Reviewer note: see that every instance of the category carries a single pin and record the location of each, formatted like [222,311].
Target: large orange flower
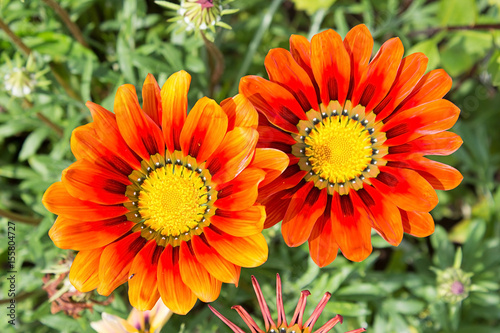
[161,200]
[356,132]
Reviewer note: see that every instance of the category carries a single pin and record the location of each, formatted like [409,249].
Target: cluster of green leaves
[395,289]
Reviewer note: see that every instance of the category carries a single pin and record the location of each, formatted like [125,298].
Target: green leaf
[494,68]
[404,306]
[430,49]
[458,12]
[464,49]
[33,142]
[444,252]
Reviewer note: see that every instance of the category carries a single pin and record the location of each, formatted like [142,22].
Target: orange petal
[288,179]
[300,48]
[196,277]
[425,119]
[441,176]
[358,43]
[443,143]
[284,70]
[241,192]
[87,181]
[216,265]
[174,293]
[432,86]
[306,206]
[58,201]
[241,223]
[249,251]
[86,235]
[137,129]
[383,214]
[379,75]
[84,272]
[418,224]
[240,112]
[143,292]
[405,188]
[151,99]
[204,129]
[174,104]
[234,154]
[322,245]
[410,71]
[331,66]
[271,137]
[278,105]
[116,261]
[272,161]
[86,144]
[276,207]
[351,228]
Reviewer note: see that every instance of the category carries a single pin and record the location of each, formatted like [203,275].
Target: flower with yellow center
[356,132]
[163,200]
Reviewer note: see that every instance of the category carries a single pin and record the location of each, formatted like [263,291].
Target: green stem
[20,218]
[216,60]
[73,28]
[317,19]
[254,44]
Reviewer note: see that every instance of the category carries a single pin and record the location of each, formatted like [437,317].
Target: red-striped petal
[204,130]
[379,75]
[214,263]
[84,272]
[351,228]
[241,192]
[143,292]
[240,223]
[425,119]
[359,44]
[249,251]
[137,129]
[331,66]
[306,206]
[282,69]
[87,181]
[86,235]
[174,104]
[116,261]
[196,277]
[58,201]
[418,224]
[406,188]
[278,105]
[173,291]
[151,99]
[322,245]
[233,156]
[240,112]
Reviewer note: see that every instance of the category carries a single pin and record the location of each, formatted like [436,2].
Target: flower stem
[264,26]
[73,28]
[20,218]
[216,60]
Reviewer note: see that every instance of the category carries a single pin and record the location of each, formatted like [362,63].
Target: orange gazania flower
[356,132]
[296,325]
[162,200]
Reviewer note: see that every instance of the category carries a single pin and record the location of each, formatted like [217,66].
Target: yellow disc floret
[172,200]
[339,149]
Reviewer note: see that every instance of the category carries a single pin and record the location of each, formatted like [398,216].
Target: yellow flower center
[339,149]
[172,200]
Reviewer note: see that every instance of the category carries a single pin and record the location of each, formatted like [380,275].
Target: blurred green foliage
[395,289]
